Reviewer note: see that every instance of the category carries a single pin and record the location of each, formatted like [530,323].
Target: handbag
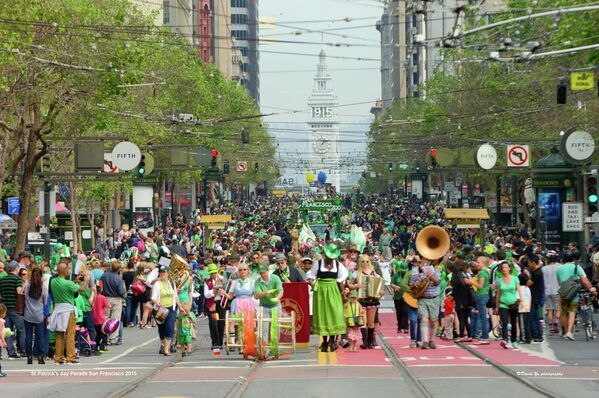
[161,314]
[138,288]
[20,304]
[570,288]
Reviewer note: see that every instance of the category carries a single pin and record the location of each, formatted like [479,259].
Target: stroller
[83,343]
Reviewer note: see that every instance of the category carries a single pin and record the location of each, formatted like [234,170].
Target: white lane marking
[129,351]
[45,370]
[195,381]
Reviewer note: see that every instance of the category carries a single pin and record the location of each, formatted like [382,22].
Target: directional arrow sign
[518,156]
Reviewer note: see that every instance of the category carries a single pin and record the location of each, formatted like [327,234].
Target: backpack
[570,287]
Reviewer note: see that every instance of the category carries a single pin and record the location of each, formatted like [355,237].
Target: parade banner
[321,204]
[296,297]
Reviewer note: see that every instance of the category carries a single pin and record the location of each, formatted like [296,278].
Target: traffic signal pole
[47,188]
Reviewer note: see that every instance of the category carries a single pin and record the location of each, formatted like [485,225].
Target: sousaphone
[177,271]
[432,242]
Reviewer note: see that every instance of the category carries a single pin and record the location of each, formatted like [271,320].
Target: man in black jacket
[284,272]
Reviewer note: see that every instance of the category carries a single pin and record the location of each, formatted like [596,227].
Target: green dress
[184,295]
[327,312]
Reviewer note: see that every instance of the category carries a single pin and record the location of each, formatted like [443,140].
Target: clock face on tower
[321,145]
[322,112]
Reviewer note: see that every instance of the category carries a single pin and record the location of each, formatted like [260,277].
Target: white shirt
[341,275]
[550,279]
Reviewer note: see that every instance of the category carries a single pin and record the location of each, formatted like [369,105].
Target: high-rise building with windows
[244,30]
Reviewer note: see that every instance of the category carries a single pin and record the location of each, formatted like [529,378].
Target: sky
[286,80]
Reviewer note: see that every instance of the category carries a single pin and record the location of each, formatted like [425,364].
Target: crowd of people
[66,307]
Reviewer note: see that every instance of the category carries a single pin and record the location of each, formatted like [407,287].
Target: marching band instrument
[370,286]
[432,242]
[178,272]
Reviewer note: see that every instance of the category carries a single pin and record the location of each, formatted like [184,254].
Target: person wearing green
[482,298]
[58,254]
[62,320]
[401,308]
[564,272]
[326,277]
[269,290]
[3,272]
[3,254]
[506,303]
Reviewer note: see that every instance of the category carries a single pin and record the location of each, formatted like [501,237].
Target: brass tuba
[178,272]
[432,242]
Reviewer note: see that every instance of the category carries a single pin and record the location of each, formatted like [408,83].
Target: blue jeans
[414,324]
[535,322]
[88,322]
[167,329]
[129,311]
[15,321]
[482,321]
[37,347]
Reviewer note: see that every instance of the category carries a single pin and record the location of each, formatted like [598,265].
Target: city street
[135,369]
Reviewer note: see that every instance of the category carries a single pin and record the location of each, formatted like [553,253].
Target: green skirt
[327,309]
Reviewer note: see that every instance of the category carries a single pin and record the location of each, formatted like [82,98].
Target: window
[415,78]
[245,67]
[244,51]
[240,34]
[239,19]
[239,3]
[166,12]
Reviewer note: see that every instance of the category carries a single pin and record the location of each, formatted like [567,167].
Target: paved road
[136,370]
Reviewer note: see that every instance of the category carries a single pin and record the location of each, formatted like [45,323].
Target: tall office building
[176,13]
[408,55]
[244,29]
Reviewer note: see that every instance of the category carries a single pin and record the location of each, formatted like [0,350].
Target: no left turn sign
[242,166]
[518,156]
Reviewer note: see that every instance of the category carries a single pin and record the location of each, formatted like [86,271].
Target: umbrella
[6,217]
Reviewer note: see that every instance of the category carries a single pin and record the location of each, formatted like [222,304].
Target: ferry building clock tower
[324,126]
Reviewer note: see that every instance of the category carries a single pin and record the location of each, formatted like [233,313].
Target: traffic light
[592,195]
[245,136]
[390,167]
[562,92]
[214,154]
[226,167]
[46,163]
[256,167]
[141,167]
[434,158]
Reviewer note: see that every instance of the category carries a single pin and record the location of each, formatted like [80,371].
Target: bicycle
[585,311]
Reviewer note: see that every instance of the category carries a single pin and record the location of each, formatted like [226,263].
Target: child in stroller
[83,343]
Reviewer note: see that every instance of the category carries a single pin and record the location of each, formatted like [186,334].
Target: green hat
[263,267]
[353,293]
[212,269]
[332,251]
[58,246]
[39,259]
[403,266]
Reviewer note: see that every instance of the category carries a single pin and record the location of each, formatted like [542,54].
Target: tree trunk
[26,191]
[75,219]
[91,218]
[522,198]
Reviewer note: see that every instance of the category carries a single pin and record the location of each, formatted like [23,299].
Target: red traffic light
[433,152]
[214,153]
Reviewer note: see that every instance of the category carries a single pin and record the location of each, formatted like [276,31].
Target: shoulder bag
[570,287]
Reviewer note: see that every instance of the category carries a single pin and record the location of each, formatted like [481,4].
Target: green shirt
[274,282]
[405,282]
[80,304]
[63,291]
[566,271]
[3,255]
[485,289]
[396,280]
[86,295]
[508,292]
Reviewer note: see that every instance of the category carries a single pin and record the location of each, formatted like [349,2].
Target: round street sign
[126,155]
[486,156]
[577,146]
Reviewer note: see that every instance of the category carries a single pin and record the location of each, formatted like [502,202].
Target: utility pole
[47,188]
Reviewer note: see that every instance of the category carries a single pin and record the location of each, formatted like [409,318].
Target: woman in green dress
[327,276]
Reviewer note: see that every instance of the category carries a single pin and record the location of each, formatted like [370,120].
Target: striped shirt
[432,290]
[8,290]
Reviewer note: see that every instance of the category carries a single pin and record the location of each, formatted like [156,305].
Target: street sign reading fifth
[126,155]
[14,206]
[518,156]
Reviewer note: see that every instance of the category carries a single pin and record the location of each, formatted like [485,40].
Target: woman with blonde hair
[371,304]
